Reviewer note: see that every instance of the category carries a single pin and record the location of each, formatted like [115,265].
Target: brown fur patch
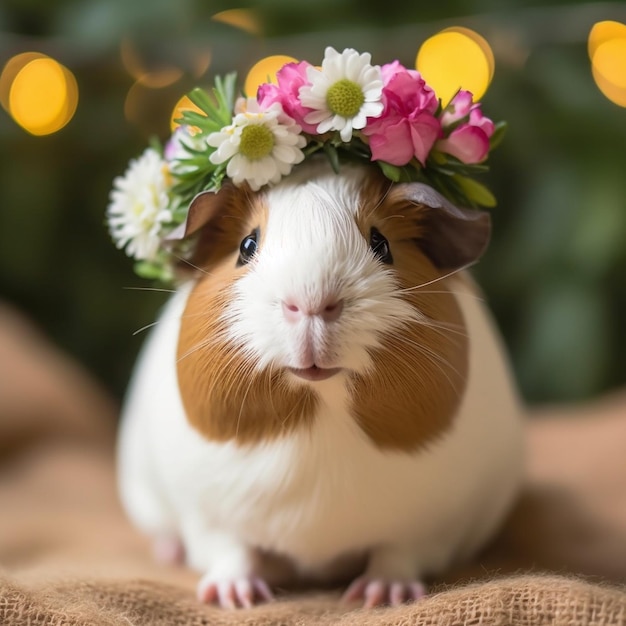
[224,397]
[419,376]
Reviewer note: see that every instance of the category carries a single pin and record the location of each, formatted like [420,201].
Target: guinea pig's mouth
[314,373]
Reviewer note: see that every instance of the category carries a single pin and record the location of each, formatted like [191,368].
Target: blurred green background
[554,275]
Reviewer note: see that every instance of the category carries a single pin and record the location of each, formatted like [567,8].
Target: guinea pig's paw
[377,591]
[168,549]
[244,592]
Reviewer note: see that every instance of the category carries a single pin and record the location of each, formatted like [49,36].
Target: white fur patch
[312,249]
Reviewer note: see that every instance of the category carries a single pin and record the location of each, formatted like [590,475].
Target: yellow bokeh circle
[184,104]
[157,77]
[11,70]
[603,32]
[480,41]
[607,51]
[454,59]
[609,70]
[264,71]
[43,96]
[243,19]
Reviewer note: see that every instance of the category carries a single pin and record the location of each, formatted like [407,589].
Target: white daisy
[261,146]
[344,93]
[139,206]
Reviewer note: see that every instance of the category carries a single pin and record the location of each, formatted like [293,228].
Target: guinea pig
[324,388]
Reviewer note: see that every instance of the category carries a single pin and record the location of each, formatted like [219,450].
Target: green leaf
[333,156]
[217,107]
[475,191]
[404,174]
[206,124]
[437,157]
[498,135]
[392,172]
[153,271]
[312,147]
[155,143]
[227,87]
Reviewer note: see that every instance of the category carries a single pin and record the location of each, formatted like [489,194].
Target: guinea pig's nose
[329,310]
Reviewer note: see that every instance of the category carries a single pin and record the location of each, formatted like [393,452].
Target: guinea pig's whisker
[146,327]
[441,328]
[243,372]
[372,209]
[270,395]
[443,365]
[158,289]
[288,416]
[443,277]
[211,339]
[448,335]
[199,346]
[167,319]
[190,264]
[434,356]
[443,291]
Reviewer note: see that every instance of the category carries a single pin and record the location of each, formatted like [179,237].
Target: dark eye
[380,246]
[248,247]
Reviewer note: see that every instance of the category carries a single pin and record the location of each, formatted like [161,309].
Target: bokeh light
[482,43]
[201,61]
[149,110]
[603,32]
[607,51]
[11,70]
[43,94]
[264,71]
[184,104]
[456,58]
[243,19]
[157,77]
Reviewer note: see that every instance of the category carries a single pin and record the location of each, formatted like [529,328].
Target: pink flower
[407,127]
[468,142]
[290,77]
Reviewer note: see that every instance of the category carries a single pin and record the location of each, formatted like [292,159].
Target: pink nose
[329,310]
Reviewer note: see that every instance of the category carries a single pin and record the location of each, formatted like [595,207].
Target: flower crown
[346,109]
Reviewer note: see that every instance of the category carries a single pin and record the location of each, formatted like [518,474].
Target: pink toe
[244,593]
[374,594]
[417,591]
[378,592]
[397,594]
[226,595]
[355,590]
[206,593]
[262,589]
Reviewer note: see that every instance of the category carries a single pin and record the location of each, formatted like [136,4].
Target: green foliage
[199,173]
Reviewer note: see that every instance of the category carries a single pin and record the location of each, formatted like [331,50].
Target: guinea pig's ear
[203,208]
[453,237]
[206,222]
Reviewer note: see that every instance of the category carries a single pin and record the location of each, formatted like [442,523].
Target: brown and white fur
[318,405]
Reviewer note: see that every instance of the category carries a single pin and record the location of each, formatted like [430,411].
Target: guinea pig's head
[322,281]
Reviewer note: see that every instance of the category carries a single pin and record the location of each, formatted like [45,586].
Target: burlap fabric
[68,556]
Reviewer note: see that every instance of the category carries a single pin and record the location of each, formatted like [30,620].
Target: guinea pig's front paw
[232,593]
[377,591]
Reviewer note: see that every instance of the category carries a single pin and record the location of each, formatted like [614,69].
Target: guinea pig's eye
[380,246]
[248,247]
